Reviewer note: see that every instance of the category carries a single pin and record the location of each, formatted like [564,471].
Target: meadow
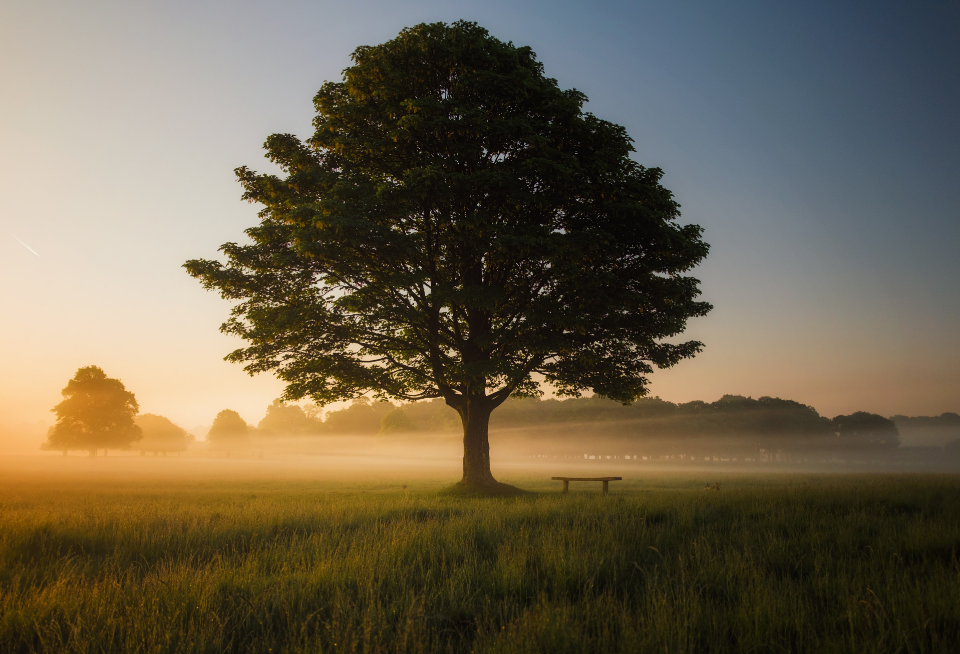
[299,562]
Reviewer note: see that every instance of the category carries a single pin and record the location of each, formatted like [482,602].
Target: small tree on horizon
[160,434]
[97,412]
[458,228]
[229,431]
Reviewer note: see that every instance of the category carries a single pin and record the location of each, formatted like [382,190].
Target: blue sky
[817,143]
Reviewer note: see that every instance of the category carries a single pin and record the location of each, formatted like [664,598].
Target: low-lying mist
[373,440]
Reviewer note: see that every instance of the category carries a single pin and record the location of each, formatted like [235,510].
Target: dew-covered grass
[770,563]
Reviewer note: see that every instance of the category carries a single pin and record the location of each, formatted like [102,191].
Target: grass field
[768,564]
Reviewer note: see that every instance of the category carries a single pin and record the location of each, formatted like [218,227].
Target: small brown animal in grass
[715,487]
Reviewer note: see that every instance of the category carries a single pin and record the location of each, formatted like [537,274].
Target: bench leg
[606,487]
[566,485]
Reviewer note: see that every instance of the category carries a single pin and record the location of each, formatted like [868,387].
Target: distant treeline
[97,412]
[730,416]
[931,430]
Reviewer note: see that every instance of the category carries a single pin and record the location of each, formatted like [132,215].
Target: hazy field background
[209,555]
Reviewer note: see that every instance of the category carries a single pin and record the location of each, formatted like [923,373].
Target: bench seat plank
[606,481]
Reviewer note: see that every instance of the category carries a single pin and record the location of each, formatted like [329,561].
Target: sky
[816,143]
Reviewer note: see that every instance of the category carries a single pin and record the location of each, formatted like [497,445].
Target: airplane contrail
[23,244]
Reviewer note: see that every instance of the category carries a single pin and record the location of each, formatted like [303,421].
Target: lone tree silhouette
[229,431]
[97,412]
[456,226]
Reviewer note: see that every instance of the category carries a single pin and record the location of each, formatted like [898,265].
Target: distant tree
[97,412]
[928,430]
[862,429]
[161,435]
[229,431]
[767,416]
[288,419]
[948,420]
[730,415]
[456,226]
[363,416]
[430,416]
[694,406]
[314,412]
[395,421]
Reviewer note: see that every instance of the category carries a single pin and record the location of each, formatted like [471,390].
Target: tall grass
[769,564]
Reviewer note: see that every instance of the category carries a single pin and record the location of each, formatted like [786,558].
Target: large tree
[96,412]
[458,227]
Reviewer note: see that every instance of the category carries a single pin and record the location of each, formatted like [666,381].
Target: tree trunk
[477,480]
[475,416]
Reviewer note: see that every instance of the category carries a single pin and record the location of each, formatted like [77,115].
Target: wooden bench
[606,481]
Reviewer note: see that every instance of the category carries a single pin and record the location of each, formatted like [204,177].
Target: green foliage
[732,415]
[518,412]
[161,435]
[97,412]
[361,417]
[431,416]
[769,564]
[738,415]
[455,225]
[396,421]
[288,419]
[763,422]
[228,429]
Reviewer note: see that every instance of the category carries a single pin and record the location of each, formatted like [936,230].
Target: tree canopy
[228,429]
[361,417]
[730,416]
[161,435]
[97,412]
[928,430]
[288,419]
[867,429]
[458,227]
